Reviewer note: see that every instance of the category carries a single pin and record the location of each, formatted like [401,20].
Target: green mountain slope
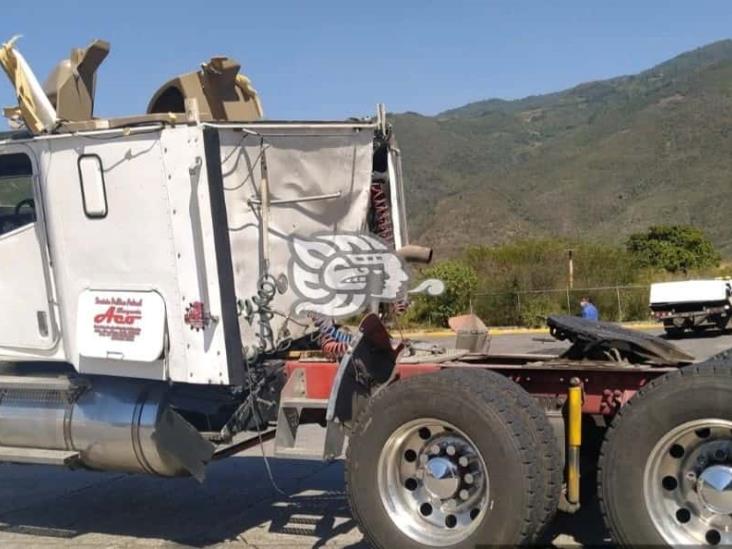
[599,160]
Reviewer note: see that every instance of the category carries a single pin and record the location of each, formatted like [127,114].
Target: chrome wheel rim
[433,482]
[687,484]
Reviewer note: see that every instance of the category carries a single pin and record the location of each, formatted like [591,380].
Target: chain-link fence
[530,308]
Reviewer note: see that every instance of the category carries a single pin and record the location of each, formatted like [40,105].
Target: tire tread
[719,365]
[505,400]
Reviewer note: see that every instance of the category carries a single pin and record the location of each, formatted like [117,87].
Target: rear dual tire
[665,470]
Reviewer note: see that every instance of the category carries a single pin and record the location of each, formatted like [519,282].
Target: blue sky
[333,59]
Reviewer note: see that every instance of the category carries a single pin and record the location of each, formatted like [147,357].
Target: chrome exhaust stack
[412,253]
[114,424]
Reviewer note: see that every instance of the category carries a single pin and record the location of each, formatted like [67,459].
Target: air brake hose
[334,341]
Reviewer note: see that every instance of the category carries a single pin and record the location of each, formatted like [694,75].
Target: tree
[461,282]
[673,248]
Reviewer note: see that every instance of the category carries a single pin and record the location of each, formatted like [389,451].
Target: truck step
[40,383]
[38,456]
[296,452]
[293,402]
[304,402]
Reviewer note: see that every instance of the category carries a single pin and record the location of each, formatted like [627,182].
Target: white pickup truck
[691,304]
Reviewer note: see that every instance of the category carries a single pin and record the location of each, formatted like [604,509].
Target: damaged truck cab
[145,254]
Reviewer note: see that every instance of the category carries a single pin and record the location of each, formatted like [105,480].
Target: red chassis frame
[605,386]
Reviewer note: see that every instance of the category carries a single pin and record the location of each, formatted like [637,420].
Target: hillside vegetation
[599,161]
[522,282]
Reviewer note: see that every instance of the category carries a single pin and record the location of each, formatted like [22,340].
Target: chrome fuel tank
[114,424]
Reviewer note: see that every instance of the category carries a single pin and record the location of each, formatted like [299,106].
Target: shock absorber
[574,440]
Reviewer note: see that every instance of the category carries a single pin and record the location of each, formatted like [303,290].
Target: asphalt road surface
[236,506]
[699,346]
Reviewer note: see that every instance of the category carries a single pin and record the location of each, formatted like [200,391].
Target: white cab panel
[23,292]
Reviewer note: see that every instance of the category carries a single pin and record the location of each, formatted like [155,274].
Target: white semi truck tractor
[172,286]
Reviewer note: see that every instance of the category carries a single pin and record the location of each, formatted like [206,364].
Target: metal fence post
[569,306]
[620,307]
[518,308]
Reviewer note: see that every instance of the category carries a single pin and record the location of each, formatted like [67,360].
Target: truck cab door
[26,321]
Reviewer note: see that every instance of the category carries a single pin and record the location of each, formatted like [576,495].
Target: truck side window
[17,206]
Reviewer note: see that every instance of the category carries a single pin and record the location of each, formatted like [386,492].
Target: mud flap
[179,440]
[368,364]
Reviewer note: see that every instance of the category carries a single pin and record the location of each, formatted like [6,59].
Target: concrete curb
[515,330]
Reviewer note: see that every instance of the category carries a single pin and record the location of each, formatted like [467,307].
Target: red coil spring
[385,229]
[333,341]
[334,349]
[380,204]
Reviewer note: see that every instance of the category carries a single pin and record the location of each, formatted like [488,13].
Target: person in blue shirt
[589,311]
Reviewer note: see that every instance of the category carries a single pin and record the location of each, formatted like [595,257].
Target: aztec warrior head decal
[339,275]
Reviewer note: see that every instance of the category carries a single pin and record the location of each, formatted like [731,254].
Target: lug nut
[464,494]
[435,449]
[450,450]
[463,461]
[423,459]
[469,478]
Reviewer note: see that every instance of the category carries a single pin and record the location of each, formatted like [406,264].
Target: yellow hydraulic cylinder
[574,441]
